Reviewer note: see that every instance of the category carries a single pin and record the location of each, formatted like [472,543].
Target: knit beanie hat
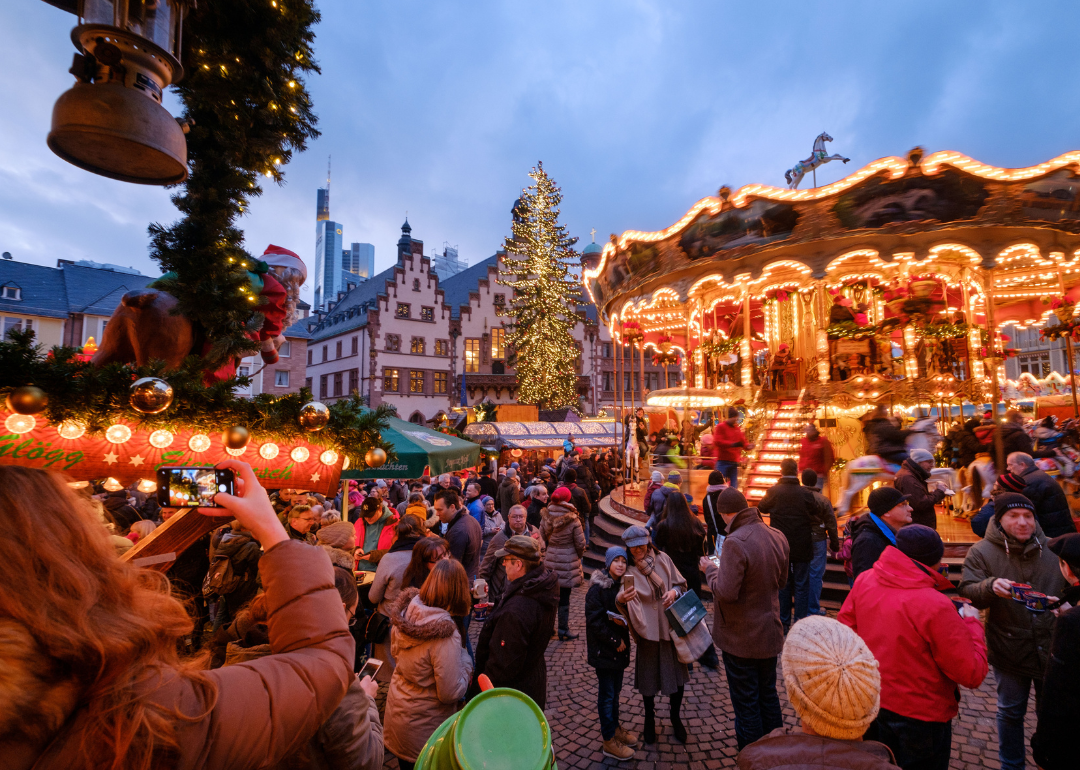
[921,543]
[730,501]
[674,477]
[657,477]
[561,495]
[1010,482]
[716,478]
[613,553]
[921,456]
[1007,500]
[809,477]
[340,534]
[831,678]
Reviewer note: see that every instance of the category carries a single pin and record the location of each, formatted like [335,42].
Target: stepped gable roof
[347,314]
[97,292]
[456,288]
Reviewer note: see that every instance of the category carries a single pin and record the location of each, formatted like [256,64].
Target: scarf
[885,528]
[715,488]
[646,567]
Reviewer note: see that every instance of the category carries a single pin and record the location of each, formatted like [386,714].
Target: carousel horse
[982,476]
[817,158]
[864,471]
[633,455]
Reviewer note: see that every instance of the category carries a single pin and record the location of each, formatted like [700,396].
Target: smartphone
[193,487]
[371,668]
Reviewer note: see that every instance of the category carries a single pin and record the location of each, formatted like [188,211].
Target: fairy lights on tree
[539,255]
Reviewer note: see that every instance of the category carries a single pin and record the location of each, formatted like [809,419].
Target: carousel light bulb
[200,442]
[160,439]
[300,454]
[147,486]
[112,485]
[70,429]
[269,451]
[20,423]
[346,463]
[118,433]
[329,457]
[236,452]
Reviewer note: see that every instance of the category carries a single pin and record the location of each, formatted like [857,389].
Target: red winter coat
[816,454]
[922,645]
[725,438]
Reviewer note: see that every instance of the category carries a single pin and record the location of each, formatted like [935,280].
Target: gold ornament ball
[151,395]
[237,437]
[314,416]
[375,457]
[27,399]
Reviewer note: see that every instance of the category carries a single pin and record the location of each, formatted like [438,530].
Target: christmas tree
[539,254]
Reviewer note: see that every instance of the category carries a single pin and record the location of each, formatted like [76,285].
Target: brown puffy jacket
[561,529]
[432,674]
[268,708]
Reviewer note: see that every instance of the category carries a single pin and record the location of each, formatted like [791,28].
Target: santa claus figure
[284,276]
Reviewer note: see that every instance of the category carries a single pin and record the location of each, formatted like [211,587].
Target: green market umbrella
[418,448]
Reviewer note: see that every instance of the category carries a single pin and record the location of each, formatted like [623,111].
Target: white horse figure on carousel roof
[864,471]
[817,157]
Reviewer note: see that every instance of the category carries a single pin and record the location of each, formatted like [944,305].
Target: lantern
[112,121]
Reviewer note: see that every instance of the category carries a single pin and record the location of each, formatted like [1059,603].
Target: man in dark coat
[876,531]
[967,444]
[883,438]
[515,637]
[1051,504]
[487,484]
[580,500]
[1053,744]
[791,508]
[462,531]
[509,492]
[912,480]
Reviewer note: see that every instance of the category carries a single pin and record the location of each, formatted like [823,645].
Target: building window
[337,349]
[393,342]
[427,314]
[307,383]
[472,355]
[605,349]
[354,381]
[309,358]
[337,383]
[499,300]
[286,349]
[442,347]
[12,292]
[417,345]
[323,390]
[403,310]
[281,378]
[243,371]
[440,382]
[416,284]
[390,380]
[498,343]
[355,345]
[609,381]
[324,347]
[1036,364]
[17,323]
[416,381]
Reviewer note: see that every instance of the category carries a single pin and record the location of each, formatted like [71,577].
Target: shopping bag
[692,646]
[685,613]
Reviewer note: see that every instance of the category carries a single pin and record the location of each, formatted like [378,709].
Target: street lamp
[112,122]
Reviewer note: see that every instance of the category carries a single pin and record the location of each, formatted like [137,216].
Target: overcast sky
[637,109]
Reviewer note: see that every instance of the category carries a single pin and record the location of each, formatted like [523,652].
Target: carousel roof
[942,213]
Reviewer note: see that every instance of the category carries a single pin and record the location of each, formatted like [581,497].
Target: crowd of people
[266,620]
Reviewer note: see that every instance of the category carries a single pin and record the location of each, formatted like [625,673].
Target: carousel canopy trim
[541,435]
[695,398]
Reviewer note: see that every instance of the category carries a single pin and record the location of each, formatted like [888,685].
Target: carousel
[890,286]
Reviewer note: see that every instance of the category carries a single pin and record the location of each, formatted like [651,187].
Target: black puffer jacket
[791,510]
[603,635]
[514,638]
[911,480]
[1014,439]
[884,439]
[1051,504]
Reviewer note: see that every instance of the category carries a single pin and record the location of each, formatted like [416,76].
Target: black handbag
[378,626]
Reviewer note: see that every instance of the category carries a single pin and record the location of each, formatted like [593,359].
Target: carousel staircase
[779,440]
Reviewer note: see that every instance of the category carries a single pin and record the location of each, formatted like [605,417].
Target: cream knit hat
[831,678]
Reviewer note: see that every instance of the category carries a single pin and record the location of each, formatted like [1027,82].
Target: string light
[200,442]
[300,454]
[268,451]
[20,423]
[71,429]
[160,439]
[329,457]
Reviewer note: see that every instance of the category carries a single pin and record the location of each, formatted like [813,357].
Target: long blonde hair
[101,632]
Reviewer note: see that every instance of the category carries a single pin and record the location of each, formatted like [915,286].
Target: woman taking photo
[651,585]
[92,678]
[609,652]
[433,667]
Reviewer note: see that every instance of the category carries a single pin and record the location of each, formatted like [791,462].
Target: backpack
[221,579]
[844,554]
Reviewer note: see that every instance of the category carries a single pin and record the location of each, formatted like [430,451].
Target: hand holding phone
[250,505]
[370,669]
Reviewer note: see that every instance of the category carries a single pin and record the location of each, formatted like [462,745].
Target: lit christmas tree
[539,255]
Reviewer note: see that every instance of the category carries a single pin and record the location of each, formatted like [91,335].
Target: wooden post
[1072,378]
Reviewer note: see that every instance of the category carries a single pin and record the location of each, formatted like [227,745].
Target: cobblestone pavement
[707,714]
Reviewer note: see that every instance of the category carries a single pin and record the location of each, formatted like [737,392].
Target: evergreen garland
[98,396]
[245,99]
[545,296]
